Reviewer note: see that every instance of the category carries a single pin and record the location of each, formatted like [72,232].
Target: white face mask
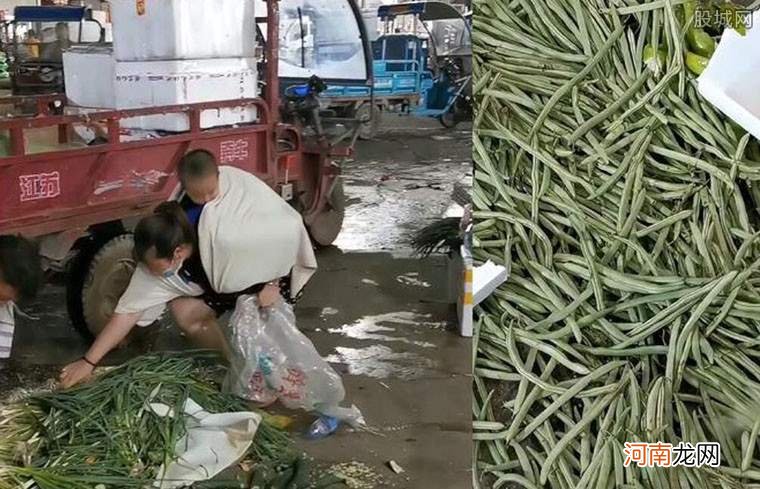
[174,270]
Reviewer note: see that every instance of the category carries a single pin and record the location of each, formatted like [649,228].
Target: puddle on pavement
[409,318]
[328,311]
[369,331]
[412,279]
[373,327]
[380,362]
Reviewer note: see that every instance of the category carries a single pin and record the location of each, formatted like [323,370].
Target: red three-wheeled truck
[80,201]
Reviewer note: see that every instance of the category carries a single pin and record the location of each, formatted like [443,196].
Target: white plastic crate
[94,79]
[730,80]
[183,29]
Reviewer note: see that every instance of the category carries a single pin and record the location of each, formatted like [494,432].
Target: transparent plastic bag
[272,360]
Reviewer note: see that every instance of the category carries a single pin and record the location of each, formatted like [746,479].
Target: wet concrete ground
[383,318]
[401,181]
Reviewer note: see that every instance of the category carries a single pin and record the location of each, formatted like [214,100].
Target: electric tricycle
[80,201]
[422,66]
[33,43]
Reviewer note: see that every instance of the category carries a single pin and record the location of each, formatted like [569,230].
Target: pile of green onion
[103,434]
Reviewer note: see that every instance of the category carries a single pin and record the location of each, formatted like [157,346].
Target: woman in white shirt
[164,242]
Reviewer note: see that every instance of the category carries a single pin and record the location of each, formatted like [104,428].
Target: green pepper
[700,42]
[696,63]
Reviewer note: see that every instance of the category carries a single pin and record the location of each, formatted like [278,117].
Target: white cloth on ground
[212,443]
[249,235]
[148,294]
[7,327]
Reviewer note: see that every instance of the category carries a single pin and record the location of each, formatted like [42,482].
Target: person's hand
[269,295]
[75,373]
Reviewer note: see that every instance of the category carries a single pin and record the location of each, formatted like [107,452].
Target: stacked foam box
[95,80]
[183,29]
[170,52]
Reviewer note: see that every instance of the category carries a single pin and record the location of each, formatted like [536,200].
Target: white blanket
[249,235]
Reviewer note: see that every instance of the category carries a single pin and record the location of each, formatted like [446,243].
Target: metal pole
[273,59]
[273,83]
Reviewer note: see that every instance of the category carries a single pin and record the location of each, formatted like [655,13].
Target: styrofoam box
[94,79]
[730,80]
[183,29]
[90,77]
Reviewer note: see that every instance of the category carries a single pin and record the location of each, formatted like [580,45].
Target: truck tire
[76,271]
[107,278]
[372,116]
[96,278]
[326,226]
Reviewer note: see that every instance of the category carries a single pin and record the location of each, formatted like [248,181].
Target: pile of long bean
[104,433]
[625,208]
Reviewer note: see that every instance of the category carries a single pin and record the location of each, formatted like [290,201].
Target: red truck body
[64,192]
